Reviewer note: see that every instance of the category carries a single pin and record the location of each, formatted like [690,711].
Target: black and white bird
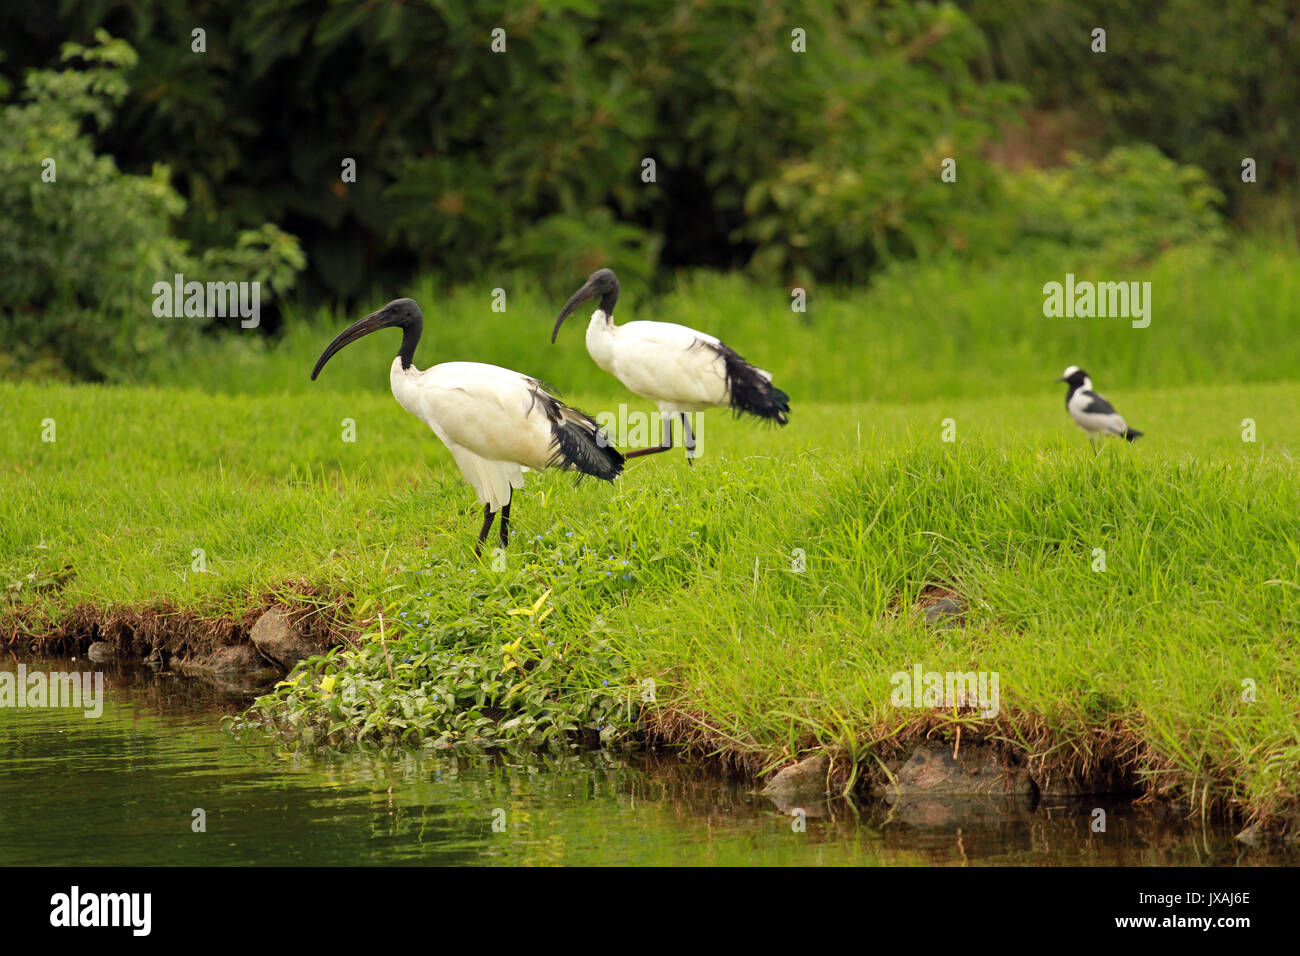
[495,422]
[679,369]
[1090,411]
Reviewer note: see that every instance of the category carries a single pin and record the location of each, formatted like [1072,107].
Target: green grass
[948,329]
[684,575]
[1202,587]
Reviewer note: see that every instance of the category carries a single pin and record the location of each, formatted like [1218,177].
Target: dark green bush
[816,165]
[1208,84]
[82,251]
[1128,206]
[816,162]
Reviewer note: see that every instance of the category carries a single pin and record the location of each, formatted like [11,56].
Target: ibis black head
[601,283]
[1075,376]
[400,313]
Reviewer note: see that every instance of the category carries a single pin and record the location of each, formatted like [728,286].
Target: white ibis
[1090,411]
[679,369]
[494,421]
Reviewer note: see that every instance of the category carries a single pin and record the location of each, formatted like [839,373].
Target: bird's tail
[582,445]
[751,389]
[1132,434]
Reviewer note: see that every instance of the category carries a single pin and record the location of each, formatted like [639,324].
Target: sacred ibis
[494,421]
[679,369]
[1090,411]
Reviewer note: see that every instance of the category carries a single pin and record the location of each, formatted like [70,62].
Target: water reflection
[124,788]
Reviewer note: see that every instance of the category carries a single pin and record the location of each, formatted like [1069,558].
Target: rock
[1252,835]
[813,805]
[276,638]
[240,661]
[945,612]
[101,651]
[808,776]
[942,607]
[1271,834]
[949,812]
[977,770]
[976,788]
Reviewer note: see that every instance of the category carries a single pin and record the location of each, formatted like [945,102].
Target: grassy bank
[684,575]
[756,605]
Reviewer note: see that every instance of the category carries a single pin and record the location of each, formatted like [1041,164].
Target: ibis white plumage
[495,422]
[679,369]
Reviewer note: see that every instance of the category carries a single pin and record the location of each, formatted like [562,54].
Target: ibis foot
[689,439]
[483,532]
[504,537]
[656,449]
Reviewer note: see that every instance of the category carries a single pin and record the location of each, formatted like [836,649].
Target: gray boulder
[279,641]
[240,660]
[807,777]
[101,651]
[977,770]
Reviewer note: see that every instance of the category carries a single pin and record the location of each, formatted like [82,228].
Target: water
[123,788]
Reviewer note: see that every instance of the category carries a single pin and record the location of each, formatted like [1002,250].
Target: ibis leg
[656,449]
[505,524]
[487,526]
[689,439]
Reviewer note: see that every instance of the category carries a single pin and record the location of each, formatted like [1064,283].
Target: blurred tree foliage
[469,159]
[1207,83]
[816,165]
[1127,207]
[82,243]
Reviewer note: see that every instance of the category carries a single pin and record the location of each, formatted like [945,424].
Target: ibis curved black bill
[601,283]
[575,300]
[400,313]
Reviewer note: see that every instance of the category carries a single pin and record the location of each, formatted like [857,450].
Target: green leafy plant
[84,243]
[1128,206]
[495,673]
